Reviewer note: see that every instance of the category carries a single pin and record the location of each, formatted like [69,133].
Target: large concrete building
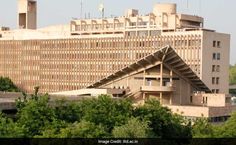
[162,54]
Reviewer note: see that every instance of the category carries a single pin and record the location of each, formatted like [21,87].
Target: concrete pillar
[161,75]
[27,14]
[144,79]
[161,97]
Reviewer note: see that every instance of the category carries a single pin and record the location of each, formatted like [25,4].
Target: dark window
[213,68]
[218,44]
[218,68]
[191,99]
[218,56]
[213,80]
[217,80]
[217,91]
[214,56]
[214,43]
[213,90]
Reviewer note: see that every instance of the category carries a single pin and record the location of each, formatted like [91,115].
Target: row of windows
[215,91]
[215,80]
[216,44]
[215,68]
[216,56]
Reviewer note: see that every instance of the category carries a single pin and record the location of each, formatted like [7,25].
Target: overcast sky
[218,14]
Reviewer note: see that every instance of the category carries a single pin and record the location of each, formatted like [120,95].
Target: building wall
[179,95]
[68,64]
[27,14]
[208,74]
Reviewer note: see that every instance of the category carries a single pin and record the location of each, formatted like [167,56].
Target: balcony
[157,89]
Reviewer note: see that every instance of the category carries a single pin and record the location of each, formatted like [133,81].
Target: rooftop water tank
[169,8]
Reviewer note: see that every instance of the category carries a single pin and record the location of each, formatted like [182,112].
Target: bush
[7,85]
[9,129]
[134,128]
[163,123]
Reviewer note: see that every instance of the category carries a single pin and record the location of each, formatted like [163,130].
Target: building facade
[85,52]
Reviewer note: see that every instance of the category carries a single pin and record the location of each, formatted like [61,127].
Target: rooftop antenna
[81,9]
[101,9]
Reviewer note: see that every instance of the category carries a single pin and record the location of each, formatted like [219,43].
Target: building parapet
[211,100]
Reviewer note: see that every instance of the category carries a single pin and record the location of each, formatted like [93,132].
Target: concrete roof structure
[170,59]
[89,92]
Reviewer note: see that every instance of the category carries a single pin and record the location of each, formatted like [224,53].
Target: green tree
[106,111]
[9,129]
[134,128]
[232,74]
[35,115]
[163,123]
[202,129]
[53,130]
[68,111]
[7,85]
[84,129]
[228,129]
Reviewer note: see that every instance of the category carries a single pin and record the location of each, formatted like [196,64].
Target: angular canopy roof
[170,60]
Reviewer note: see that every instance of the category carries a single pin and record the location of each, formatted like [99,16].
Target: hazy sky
[218,14]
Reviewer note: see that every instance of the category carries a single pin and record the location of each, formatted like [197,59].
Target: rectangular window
[214,43]
[213,90]
[217,91]
[218,44]
[191,99]
[214,56]
[213,80]
[218,56]
[217,80]
[213,68]
[218,68]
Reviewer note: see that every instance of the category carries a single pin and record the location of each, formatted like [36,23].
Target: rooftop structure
[162,54]
[27,14]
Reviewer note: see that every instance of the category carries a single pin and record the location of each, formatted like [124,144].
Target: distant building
[162,54]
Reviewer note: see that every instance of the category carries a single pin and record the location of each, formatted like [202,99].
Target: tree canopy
[91,118]
[105,117]
[232,75]
[7,85]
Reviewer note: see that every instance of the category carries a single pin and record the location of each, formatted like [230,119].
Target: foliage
[52,130]
[202,128]
[163,123]
[106,111]
[232,74]
[228,130]
[232,92]
[69,112]
[35,114]
[9,129]
[7,85]
[134,128]
[104,117]
[84,129]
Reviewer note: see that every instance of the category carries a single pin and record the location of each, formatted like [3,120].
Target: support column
[161,97]
[144,79]
[144,98]
[171,82]
[161,80]
[161,75]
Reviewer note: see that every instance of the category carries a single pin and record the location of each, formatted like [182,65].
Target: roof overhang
[170,60]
